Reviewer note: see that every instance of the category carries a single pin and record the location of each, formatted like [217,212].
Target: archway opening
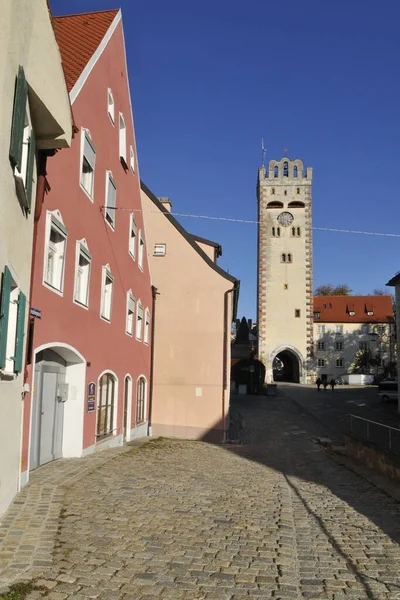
[286,367]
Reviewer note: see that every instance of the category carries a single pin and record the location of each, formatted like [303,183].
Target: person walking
[325,384]
[318,382]
[332,383]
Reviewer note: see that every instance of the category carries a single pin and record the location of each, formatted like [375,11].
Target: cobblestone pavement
[273,517]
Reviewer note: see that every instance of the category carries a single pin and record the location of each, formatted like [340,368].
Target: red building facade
[89,361]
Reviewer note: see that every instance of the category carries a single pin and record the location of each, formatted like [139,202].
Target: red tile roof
[78,37]
[337,309]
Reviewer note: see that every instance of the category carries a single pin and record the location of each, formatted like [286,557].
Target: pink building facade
[88,357]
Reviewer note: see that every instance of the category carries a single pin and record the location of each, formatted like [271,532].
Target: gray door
[48,410]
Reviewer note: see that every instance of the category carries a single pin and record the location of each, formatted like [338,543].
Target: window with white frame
[141,400]
[122,137]
[141,250]
[339,362]
[381,329]
[146,336]
[56,241]
[88,161]
[339,346]
[105,405]
[159,250]
[130,313]
[82,273]
[132,158]
[107,285]
[111,199]
[110,105]
[139,322]
[132,236]
[339,329]
[321,346]
[321,362]
[321,329]
[12,326]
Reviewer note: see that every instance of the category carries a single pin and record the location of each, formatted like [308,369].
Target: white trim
[145,400]
[82,247]
[139,305]
[131,221]
[112,117]
[85,131]
[106,271]
[146,338]
[129,411]
[141,248]
[95,57]
[129,297]
[110,178]
[53,217]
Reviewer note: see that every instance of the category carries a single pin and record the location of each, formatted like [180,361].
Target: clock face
[285,219]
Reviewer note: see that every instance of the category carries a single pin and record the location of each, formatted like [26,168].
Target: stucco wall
[189,336]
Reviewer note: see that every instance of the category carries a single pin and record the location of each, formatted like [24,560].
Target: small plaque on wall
[91,400]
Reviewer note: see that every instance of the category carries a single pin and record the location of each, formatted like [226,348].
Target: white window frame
[147,320]
[54,222]
[110,106]
[106,274]
[132,239]
[339,360]
[141,250]
[160,250]
[122,137]
[109,211]
[321,329]
[25,147]
[8,370]
[85,136]
[339,345]
[82,250]
[320,345]
[130,305]
[321,362]
[132,158]
[139,321]
[339,329]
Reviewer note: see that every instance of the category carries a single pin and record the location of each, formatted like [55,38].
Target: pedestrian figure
[333,383]
[325,384]
[318,382]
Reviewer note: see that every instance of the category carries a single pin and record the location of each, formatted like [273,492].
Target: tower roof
[78,37]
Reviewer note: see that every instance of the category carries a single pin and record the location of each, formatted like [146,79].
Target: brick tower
[284,296]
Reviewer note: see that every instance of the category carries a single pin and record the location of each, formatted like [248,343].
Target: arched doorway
[286,367]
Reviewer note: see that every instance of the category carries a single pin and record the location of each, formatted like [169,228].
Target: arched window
[286,169]
[276,172]
[298,190]
[105,405]
[285,193]
[273,191]
[278,232]
[293,231]
[298,232]
[295,171]
[141,400]
[296,204]
[275,204]
[273,231]
[289,258]
[283,258]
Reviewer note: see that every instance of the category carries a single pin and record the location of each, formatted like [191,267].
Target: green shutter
[4,312]
[19,338]
[18,120]
[29,170]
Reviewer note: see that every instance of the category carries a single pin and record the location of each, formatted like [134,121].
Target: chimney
[166,202]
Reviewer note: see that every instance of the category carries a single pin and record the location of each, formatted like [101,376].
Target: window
[321,328]
[297,312]
[321,362]
[82,273]
[339,362]
[321,345]
[295,172]
[54,263]
[276,171]
[130,313]
[141,250]
[296,231]
[285,193]
[107,284]
[146,336]
[339,329]
[132,158]
[139,322]
[286,169]
[317,314]
[276,232]
[132,236]
[273,191]
[12,326]
[111,199]
[159,250]
[289,258]
[381,329]
[363,345]
[298,189]
[364,329]
[122,138]
[352,313]
[88,160]
[283,258]
[339,345]
[110,105]
[285,286]
[141,400]
[105,405]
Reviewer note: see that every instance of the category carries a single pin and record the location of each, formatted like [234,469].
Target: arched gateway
[286,364]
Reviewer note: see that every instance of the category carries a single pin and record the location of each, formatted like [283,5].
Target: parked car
[388,390]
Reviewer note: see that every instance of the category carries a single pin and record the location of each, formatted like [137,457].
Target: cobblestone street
[273,517]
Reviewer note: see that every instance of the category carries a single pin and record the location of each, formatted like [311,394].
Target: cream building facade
[35,119]
[284,304]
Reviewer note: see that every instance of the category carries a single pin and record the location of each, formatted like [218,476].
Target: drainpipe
[225,359]
[153,329]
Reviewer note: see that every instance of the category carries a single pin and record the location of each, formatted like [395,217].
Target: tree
[379,292]
[331,290]
[363,361]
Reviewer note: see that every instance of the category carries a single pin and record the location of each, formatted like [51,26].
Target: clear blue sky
[209,79]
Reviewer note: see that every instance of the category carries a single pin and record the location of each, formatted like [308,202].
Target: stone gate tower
[284,306]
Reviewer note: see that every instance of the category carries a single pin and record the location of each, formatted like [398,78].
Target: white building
[35,119]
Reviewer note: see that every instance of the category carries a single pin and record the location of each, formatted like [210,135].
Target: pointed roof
[78,37]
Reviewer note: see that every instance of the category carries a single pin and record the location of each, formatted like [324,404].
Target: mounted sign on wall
[91,400]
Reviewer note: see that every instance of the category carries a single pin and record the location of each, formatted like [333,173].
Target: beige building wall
[285,264]
[193,318]
[27,40]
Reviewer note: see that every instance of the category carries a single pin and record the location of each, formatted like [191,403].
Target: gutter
[153,329]
[235,292]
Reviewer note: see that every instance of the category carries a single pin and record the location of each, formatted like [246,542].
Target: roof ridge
[89,12]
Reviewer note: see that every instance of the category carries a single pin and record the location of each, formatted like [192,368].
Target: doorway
[286,367]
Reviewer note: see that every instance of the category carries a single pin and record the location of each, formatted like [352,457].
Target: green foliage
[363,361]
[331,290]
[19,591]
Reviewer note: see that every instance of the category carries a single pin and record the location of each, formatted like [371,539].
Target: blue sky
[209,79]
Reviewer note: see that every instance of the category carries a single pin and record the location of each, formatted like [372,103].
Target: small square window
[339,362]
[317,315]
[159,250]
[321,362]
[297,312]
[339,329]
[321,346]
[321,328]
